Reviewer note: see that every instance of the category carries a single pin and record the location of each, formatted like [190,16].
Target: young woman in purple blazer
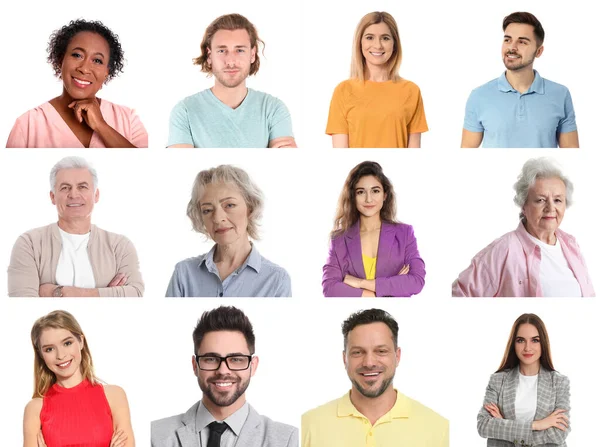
[371,254]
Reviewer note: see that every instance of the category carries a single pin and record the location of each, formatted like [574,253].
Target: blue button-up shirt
[508,118]
[256,277]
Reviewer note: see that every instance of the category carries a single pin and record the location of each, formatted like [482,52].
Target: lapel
[510,393]
[352,241]
[187,434]
[384,249]
[545,404]
[250,434]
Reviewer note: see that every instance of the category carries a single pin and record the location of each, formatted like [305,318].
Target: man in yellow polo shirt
[373,413]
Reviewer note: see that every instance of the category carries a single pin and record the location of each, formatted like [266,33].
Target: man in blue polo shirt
[520,108]
[229,114]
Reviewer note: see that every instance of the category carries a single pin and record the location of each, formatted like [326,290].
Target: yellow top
[376,114]
[370,264]
[339,424]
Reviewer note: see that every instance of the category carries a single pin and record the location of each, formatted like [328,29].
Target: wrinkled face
[377,44]
[224,213]
[369,196]
[230,56]
[74,194]
[224,387]
[85,65]
[527,345]
[545,206]
[371,359]
[61,351]
[519,48]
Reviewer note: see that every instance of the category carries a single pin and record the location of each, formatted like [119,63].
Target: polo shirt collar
[401,408]
[235,421]
[253,260]
[537,85]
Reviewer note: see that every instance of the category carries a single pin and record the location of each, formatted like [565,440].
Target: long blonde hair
[43,377]
[358,66]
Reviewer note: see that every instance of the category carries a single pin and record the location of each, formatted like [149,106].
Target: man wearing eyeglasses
[223,363]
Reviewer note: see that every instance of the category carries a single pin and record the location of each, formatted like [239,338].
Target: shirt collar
[401,408]
[235,421]
[537,85]
[253,260]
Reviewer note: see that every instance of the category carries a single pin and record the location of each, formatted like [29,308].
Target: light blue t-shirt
[204,121]
[508,118]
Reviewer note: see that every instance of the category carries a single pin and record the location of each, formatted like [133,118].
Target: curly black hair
[59,40]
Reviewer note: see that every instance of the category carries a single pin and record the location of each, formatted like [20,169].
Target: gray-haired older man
[73,257]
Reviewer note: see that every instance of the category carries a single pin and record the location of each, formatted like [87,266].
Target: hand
[352,281]
[405,269]
[40,440]
[557,419]
[118,439]
[494,411]
[88,110]
[120,279]
[46,291]
[283,142]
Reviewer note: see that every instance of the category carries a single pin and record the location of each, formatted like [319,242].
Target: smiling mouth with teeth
[81,82]
[64,365]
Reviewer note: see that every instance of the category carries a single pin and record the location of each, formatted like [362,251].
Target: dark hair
[511,360]
[368,317]
[60,39]
[528,19]
[224,318]
[228,22]
[346,213]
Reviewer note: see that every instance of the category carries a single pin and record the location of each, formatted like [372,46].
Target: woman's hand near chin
[88,110]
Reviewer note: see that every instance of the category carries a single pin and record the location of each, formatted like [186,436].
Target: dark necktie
[216,429]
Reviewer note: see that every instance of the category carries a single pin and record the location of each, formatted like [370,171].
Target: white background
[457,201]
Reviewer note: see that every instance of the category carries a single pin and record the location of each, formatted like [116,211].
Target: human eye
[359,192]
[369,37]
[558,200]
[519,340]
[536,340]
[376,190]
[98,61]
[210,360]
[387,38]
[68,343]
[355,353]
[237,359]
[241,50]
[48,349]
[206,211]
[83,187]
[382,351]
[76,54]
[230,205]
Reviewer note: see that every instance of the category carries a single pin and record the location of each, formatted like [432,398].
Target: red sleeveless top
[76,417]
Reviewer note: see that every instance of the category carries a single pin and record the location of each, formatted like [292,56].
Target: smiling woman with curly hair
[85,55]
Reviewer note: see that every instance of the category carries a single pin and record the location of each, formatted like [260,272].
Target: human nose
[84,65]
[219,215]
[223,367]
[60,354]
[368,359]
[368,197]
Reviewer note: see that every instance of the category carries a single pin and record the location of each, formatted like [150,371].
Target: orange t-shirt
[376,114]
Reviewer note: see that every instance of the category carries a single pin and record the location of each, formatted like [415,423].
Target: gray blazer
[258,431]
[552,393]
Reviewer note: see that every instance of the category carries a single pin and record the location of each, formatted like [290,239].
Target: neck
[70,382]
[371,223]
[522,79]
[376,73]
[222,413]
[547,237]
[374,407]
[80,226]
[234,254]
[529,370]
[230,96]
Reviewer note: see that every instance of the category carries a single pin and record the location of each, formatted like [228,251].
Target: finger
[78,114]
[73,104]
[559,411]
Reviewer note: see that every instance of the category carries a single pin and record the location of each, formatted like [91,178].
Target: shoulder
[405,84]
[189,263]
[271,268]
[36,234]
[114,393]
[275,428]
[429,417]
[401,229]
[193,101]
[167,425]
[270,102]
[554,88]
[113,239]
[322,413]
[346,87]
[499,247]
[559,380]
[484,90]
[498,378]
[37,112]
[34,407]
[117,109]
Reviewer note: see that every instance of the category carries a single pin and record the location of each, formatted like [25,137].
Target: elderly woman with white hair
[537,259]
[226,206]
[73,258]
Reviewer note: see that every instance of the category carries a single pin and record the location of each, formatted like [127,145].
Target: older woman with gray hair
[226,206]
[73,258]
[537,259]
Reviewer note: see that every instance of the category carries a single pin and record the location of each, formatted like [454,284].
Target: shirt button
[221,294]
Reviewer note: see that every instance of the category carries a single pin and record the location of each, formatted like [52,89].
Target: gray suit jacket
[552,394]
[258,431]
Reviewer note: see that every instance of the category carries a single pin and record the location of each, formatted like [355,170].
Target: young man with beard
[520,108]
[373,413]
[223,363]
[229,114]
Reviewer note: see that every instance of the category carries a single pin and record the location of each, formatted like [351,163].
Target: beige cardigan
[35,256]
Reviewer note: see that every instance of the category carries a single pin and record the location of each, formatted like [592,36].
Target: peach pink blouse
[44,127]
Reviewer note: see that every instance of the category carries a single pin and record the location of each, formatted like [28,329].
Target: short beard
[226,400]
[372,394]
[231,83]
[521,66]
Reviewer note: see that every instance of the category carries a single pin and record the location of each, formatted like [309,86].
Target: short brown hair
[228,22]
[224,318]
[528,19]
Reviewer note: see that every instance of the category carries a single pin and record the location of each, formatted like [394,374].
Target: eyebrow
[235,46]
[216,354]
[220,201]
[521,37]
[372,34]
[82,49]
[68,338]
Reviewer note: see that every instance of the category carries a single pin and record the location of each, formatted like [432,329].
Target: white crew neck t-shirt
[526,398]
[74,267]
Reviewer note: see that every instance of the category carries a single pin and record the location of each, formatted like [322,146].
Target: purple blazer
[397,247]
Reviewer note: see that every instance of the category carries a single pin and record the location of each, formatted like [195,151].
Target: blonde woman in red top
[70,406]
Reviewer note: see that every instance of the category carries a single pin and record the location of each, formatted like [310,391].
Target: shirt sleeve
[17,138]
[180,131]
[23,274]
[418,122]
[337,122]
[127,263]
[139,135]
[472,122]
[567,123]
[280,123]
[333,278]
[284,288]
[174,289]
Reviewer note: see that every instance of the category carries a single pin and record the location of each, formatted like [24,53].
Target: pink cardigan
[510,266]
[44,127]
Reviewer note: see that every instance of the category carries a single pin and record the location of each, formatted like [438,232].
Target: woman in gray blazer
[526,401]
